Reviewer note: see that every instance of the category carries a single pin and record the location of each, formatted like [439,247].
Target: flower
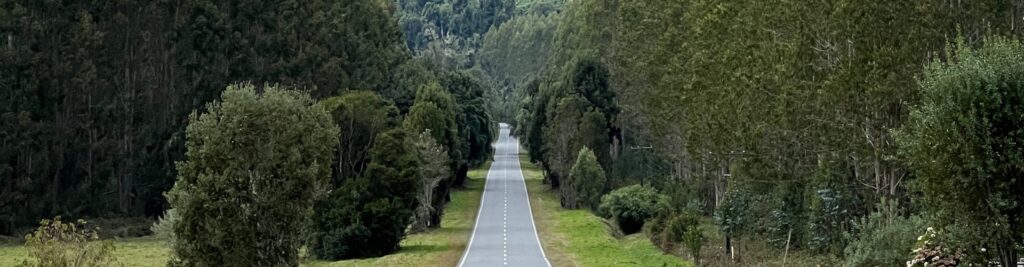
[982,249]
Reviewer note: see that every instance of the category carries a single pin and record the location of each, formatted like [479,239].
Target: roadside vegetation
[435,248]
[723,133]
[581,238]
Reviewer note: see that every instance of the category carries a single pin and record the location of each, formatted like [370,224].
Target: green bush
[255,164]
[164,227]
[963,142]
[883,238]
[694,240]
[368,215]
[59,244]
[631,206]
[588,178]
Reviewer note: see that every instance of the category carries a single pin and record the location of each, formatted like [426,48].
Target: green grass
[439,247]
[580,238]
[130,252]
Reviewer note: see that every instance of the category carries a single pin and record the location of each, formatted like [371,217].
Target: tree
[427,119]
[472,119]
[96,94]
[963,143]
[367,216]
[433,172]
[362,115]
[561,144]
[588,178]
[255,164]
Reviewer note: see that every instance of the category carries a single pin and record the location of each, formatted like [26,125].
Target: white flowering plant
[930,253]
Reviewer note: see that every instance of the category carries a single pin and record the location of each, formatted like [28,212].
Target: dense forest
[861,133]
[790,121]
[97,94]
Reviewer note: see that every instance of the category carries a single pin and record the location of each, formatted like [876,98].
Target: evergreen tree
[255,165]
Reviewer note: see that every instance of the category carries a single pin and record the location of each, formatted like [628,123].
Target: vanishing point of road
[504,234]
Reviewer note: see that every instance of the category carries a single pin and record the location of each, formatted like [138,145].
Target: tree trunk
[1008,254]
[728,245]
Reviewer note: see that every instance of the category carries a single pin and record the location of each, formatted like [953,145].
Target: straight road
[504,234]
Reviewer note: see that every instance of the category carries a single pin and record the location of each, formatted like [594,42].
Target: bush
[883,238]
[588,178]
[368,215]
[685,229]
[164,227]
[694,239]
[255,164]
[963,142]
[631,206]
[58,244]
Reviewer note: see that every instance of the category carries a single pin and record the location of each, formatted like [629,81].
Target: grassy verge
[440,247]
[579,238]
[131,252]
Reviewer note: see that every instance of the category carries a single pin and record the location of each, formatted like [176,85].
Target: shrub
[368,215]
[588,178]
[255,164]
[631,206]
[963,142]
[930,252]
[164,227]
[883,238]
[59,244]
[694,239]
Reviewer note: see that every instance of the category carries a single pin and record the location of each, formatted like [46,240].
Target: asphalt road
[504,234]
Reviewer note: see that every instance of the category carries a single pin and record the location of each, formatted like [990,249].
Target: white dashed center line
[504,223]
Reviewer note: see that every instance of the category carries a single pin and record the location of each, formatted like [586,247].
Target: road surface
[504,234]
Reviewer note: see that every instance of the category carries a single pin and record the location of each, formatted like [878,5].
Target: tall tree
[963,143]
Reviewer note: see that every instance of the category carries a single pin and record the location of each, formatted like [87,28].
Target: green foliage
[361,116]
[633,205]
[579,112]
[930,251]
[963,143]
[96,93]
[830,213]
[433,173]
[694,240]
[501,56]
[60,244]
[256,163]
[735,216]
[476,130]
[884,237]
[588,178]
[448,31]
[164,226]
[367,216]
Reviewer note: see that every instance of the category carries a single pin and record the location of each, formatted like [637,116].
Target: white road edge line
[529,205]
[483,196]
